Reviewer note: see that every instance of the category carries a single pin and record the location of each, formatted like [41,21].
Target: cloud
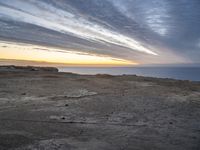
[68,23]
[155,18]
[144,31]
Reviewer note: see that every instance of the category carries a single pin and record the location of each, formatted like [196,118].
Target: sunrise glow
[53,55]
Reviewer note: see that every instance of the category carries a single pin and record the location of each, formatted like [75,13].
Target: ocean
[181,73]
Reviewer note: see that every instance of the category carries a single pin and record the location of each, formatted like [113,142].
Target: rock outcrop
[28,68]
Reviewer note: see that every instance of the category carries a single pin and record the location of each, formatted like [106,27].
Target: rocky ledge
[27,68]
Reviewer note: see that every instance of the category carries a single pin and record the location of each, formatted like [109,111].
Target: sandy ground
[63,111]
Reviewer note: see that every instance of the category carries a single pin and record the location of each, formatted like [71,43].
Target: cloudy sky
[122,31]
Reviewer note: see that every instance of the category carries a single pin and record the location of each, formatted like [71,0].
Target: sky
[105,32]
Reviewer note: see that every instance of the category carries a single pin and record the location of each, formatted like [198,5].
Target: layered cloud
[141,31]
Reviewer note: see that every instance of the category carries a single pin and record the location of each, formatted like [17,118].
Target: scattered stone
[54,117]
[64,108]
[57,117]
[80,93]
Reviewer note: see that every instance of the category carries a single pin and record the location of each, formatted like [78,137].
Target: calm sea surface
[183,73]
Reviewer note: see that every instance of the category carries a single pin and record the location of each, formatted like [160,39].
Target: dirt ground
[64,111]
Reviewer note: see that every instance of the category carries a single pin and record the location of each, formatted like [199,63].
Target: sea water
[182,73]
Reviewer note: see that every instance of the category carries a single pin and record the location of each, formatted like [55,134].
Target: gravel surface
[65,111]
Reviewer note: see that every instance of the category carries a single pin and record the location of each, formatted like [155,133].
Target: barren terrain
[65,111]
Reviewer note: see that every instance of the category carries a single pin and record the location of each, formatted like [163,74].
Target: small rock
[23,94]
[54,117]
[66,105]
[57,117]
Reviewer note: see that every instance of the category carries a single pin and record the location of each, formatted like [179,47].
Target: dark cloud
[156,31]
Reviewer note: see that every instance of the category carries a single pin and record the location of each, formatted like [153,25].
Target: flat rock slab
[59,111]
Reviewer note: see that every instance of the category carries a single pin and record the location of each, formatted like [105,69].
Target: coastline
[178,73]
[57,110]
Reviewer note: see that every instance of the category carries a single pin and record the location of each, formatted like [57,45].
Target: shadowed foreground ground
[63,111]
